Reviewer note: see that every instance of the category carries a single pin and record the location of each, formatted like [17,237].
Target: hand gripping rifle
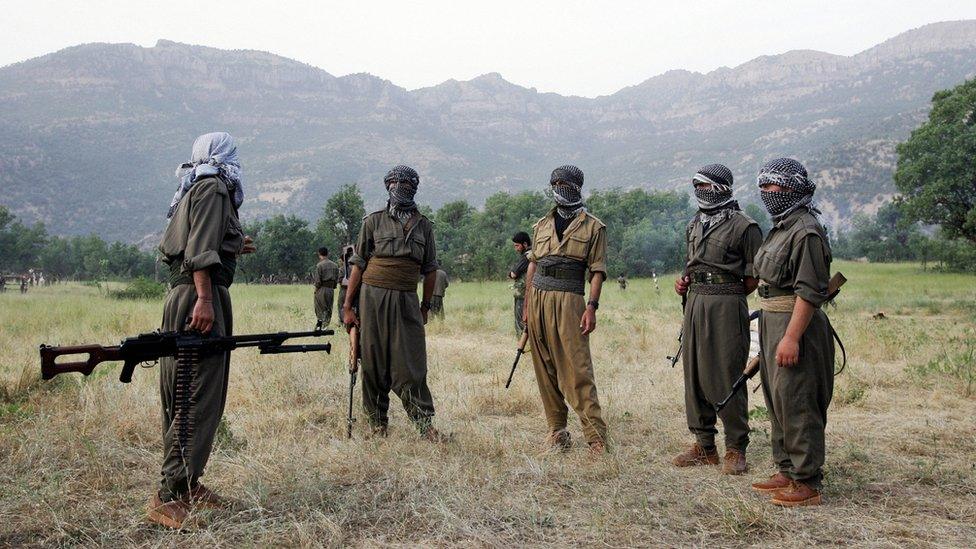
[151,347]
[518,354]
[353,368]
[833,288]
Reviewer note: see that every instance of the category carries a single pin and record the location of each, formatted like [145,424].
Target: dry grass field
[79,456]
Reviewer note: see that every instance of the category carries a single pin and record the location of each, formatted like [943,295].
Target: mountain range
[90,135]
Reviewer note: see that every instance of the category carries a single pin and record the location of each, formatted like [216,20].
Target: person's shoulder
[373,215]
[808,225]
[742,218]
[595,220]
[542,221]
[208,185]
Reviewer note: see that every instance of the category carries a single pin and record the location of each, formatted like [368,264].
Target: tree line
[933,219]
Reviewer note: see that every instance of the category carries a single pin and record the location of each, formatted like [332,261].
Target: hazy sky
[569,47]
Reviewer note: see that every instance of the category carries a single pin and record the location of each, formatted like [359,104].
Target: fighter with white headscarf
[213,154]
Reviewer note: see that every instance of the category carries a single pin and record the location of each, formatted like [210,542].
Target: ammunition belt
[187,360]
[714,283]
[220,275]
[560,274]
[765,290]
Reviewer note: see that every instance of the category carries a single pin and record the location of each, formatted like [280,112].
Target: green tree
[341,218]
[936,171]
[286,248]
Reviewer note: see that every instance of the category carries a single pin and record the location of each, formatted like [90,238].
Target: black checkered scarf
[567,191]
[401,183]
[791,175]
[716,204]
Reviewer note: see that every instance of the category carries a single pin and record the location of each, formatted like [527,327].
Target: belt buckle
[764,291]
[708,278]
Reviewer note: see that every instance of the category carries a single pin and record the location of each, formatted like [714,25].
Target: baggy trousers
[323,304]
[714,350]
[187,441]
[798,396]
[394,355]
[563,366]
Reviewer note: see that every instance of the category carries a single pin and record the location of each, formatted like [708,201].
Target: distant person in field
[523,245]
[440,290]
[569,243]
[325,278]
[622,281]
[721,244]
[797,358]
[395,247]
[201,245]
[345,269]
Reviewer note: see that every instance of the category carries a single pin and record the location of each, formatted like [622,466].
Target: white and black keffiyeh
[715,204]
[213,154]
[567,191]
[401,183]
[791,175]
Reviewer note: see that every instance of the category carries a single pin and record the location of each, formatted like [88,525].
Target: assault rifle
[353,368]
[151,347]
[833,288]
[518,354]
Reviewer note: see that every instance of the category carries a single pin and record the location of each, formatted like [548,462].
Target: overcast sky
[569,47]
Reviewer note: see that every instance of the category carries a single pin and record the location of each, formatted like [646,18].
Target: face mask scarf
[790,175]
[213,154]
[401,184]
[567,190]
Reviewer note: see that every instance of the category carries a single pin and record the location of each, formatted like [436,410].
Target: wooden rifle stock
[97,354]
[518,354]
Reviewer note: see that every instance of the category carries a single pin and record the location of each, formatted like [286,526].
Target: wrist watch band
[425,305]
[593,303]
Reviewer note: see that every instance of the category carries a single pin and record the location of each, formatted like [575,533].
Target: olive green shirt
[729,246]
[796,256]
[326,274]
[585,239]
[382,235]
[203,227]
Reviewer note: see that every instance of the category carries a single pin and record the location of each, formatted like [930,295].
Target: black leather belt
[767,291]
[713,278]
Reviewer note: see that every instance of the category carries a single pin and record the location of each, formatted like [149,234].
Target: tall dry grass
[79,456]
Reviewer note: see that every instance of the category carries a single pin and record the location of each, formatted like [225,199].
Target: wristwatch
[593,303]
[425,305]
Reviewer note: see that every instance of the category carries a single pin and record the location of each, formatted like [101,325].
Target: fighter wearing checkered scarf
[395,249]
[721,244]
[797,358]
[570,250]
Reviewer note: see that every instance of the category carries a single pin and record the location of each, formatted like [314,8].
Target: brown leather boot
[380,431]
[201,497]
[597,449]
[734,462]
[775,483]
[433,435]
[171,514]
[797,495]
[559,440]
[696,455]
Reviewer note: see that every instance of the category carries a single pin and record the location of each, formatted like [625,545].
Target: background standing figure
[522,245]
[325,278]
[721,244]
[440,290]
[797,358]
[201,244]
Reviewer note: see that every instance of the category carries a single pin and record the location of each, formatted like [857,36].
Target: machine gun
[151,347]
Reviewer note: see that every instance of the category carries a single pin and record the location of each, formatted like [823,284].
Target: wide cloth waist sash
[775,300]
[560,274]
[220,275]
[392,273]
[704,282]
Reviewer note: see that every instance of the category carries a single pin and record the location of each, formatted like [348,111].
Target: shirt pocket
[577,247]
[384,246]
[418,247]
[772,265]
[716,248]
[542,245]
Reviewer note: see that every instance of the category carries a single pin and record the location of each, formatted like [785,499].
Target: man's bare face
[519,247]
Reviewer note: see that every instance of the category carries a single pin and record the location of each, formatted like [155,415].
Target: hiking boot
[734,462]
[559,440]
[597,449]
[775,483]
[171,514]
[798,494]
[380,431]
[696,455]
[201,497]
[434,436]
